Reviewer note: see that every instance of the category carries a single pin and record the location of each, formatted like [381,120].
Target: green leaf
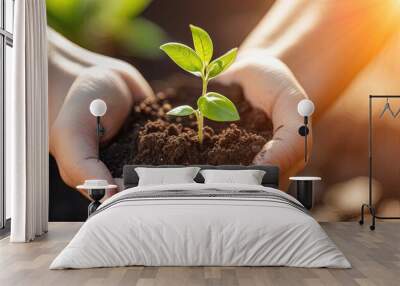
[182,110]
[184,57]
[217,107]
[66,17]
[202,43]
[124,8]
[112,16]
[220,64]
[141,38]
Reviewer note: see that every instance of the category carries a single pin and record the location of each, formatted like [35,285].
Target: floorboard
[375,257]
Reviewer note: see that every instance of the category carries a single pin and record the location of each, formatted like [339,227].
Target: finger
[138,86]
[73,134]
[81,57]
[286,148]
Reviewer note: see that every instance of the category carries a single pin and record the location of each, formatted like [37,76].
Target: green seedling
[211,105]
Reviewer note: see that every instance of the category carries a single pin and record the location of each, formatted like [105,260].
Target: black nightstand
[305,190]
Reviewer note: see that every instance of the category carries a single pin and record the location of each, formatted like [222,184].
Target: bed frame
[270,179]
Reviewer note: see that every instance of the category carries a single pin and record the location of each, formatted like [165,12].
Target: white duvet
[200,231]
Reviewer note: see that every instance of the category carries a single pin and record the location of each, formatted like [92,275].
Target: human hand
[269,84]
[73,132]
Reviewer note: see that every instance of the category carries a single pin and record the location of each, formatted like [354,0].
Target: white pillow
[248,177]
[164,176]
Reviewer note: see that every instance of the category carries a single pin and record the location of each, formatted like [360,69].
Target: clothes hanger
[387,107]
[397,113]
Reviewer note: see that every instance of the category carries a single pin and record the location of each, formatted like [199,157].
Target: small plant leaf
[202,43]
[217,107]
[182,110]
[220,64]
[184,57]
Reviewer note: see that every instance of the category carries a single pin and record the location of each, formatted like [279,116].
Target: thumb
[270,85]
[285,149]
[274,89]
[73,133]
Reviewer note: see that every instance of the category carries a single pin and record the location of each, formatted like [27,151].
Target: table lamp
[305,108]
[98,108]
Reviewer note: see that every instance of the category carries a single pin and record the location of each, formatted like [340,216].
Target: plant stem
[200,122]
[205,82]
[199,116]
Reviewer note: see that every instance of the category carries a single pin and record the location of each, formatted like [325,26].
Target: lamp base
[96,195]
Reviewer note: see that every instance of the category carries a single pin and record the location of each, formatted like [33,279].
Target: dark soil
[149,136]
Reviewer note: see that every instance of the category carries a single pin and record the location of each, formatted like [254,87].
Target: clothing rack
[370,205]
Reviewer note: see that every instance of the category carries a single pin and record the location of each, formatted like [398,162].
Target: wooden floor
[375,257]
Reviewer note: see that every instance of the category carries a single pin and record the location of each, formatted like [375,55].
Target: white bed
[185,230]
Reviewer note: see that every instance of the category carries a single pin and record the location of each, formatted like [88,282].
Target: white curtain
[26,124]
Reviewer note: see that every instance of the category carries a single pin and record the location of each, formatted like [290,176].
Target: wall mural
[173,89]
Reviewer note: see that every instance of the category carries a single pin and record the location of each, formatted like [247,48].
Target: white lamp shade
[305,107]
[98,107]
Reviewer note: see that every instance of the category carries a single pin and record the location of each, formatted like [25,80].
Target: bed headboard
[270,179]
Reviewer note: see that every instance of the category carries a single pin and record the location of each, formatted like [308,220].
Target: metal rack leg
[361,222]
[372,212]
[372,226]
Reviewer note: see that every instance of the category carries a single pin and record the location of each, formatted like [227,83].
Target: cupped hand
[73,132]
[269,84]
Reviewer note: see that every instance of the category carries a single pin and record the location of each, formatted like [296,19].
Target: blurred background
[133,31]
